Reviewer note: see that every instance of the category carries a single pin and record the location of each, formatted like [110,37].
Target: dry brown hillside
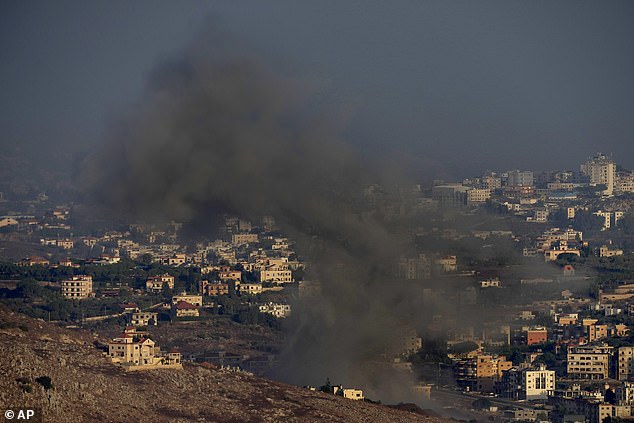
[88,388]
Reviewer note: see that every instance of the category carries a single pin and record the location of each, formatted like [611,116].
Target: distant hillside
[86,387]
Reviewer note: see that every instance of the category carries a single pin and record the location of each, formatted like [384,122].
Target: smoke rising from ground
[225,135]
[221,133]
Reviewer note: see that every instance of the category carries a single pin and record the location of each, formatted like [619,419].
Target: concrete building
[601,171]
[554,252]
[589,362]
[185,309]
[277,310]
[567,319]
[230,275]
[240,239]
[193,299]
[625,357]
[143,318]
[274,275]
[625,182]
[478,196]
[34,261]
[77,287]
[450,196]
[348,393]
[137,352]
[520,178]
[409,343]
[605,251]
[596,332]
[539,215]
[625,393]
[251,288]
[157,283]
[353,394]
[538,383]
[537,335]
[527,383]
[213,289]
[124,349]
[492,181]
[414,268]
[489,370]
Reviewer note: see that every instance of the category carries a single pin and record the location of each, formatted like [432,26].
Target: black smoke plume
[220,133]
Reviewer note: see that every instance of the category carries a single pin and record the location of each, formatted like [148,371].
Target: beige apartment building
[605,251]
[602,171]
[125,349]
[193,299]
[276,276]
[213,288]
[489,370]
[596,332]
[156,283]
[185,309]
[589,362]
[230,275]
[478,196]
[144,318]
[137,352]
[251,288]
[239,239]
[353,394]
[78,287]
[625,369]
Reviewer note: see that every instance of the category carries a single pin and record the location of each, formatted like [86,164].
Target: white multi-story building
[537,383]
[527,383]
[519,178]
[602,171]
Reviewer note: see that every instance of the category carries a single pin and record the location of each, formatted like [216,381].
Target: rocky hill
[63,373]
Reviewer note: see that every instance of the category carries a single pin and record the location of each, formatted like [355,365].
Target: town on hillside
[524,285]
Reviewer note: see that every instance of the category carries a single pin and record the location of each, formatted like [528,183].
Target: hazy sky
[457,86]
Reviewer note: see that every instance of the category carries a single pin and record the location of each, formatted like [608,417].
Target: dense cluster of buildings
[248,260]
[591,377]
[536,196]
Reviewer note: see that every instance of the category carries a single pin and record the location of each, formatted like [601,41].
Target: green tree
[587,222]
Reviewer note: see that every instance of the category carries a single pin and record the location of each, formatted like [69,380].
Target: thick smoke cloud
[218,134]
